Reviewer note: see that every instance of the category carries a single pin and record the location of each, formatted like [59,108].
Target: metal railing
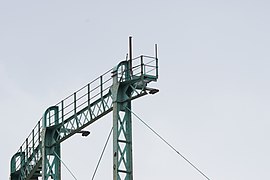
[30,151]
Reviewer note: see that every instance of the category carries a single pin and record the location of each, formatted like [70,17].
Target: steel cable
[166,142]
[102,153]
[65,166]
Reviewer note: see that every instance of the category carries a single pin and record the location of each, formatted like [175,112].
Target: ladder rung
[123,141]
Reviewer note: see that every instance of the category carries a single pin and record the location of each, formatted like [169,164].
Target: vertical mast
[122,125]
[130,54]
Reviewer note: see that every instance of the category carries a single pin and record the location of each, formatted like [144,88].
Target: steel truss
[40,154]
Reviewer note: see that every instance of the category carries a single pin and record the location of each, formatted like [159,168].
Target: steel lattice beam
[39,155]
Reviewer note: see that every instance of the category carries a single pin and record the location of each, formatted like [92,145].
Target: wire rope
[65,166]
[102,153]
[166,142]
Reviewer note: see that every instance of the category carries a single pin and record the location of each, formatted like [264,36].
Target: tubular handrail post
[89,100]
[39,138]
[142,71]
[130,55]
[75,109]
[62,111]
[74,100]
[156,55]
[26,151]
[101,92]
[156,51]
[33,143]
[88,94]
[21,155]
[49,118]
[101,86]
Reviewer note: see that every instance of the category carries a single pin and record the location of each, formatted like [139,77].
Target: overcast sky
[214,99]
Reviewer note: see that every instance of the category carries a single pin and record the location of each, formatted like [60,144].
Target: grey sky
[214,100]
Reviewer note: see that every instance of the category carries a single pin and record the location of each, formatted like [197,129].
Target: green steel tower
[39,157]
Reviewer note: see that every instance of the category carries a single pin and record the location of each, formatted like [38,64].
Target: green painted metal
[39,156]
[122,127]
[51,164]
[128,83]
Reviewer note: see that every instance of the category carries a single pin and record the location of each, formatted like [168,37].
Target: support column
[51,164]
[122,127]
[122,142]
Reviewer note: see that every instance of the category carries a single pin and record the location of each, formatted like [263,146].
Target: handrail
[30,151]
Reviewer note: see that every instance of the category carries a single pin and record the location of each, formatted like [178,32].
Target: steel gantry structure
[39,157]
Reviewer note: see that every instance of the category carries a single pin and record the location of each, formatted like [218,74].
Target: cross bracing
[38,157]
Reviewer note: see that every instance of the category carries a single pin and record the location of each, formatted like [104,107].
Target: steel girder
[122,126]
[51,163]
[39,155]
[125,88]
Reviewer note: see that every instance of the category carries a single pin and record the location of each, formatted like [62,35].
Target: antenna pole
[156,51]
[130,55]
